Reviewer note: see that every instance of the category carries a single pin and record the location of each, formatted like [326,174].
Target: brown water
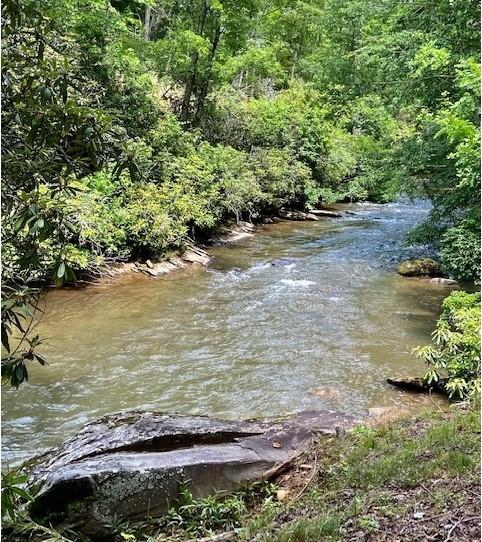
[241,339]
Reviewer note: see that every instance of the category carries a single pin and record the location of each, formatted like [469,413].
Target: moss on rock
[420,267]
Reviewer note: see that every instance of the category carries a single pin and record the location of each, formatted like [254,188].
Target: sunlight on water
[247,337]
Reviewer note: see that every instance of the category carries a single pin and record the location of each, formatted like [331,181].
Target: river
[240,339]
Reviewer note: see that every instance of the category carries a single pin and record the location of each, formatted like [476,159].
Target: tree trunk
[186,99]
[147,23]
[205,86]
[191,80]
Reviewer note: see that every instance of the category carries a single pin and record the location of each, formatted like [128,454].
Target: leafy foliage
[456,352]
[13,493]
[50,137]
[461,251]
[131,127]
[200,517]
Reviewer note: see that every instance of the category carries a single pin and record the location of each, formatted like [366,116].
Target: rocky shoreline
[197,255]
[136,463]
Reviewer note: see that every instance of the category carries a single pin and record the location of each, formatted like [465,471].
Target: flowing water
[243,338]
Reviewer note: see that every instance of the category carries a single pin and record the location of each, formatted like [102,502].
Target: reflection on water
[241,339]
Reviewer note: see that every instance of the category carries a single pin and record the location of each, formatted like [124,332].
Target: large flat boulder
[133,464]
[325,212]
[142,431]
[234,233]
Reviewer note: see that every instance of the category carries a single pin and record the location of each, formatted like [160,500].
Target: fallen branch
[277,469]
[455,525]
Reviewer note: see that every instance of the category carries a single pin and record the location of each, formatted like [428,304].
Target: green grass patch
[379,479]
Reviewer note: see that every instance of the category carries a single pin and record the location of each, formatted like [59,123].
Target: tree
[51,137]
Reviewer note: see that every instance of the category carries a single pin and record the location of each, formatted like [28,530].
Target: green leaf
[5,341]
[19,223]
[19,373]
[22,493]
[61,270]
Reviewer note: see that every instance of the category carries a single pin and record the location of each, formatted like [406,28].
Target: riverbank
[197,254]
[417,479]
[413,479]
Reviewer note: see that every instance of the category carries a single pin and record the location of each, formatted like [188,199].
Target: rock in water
[441,280]
[283,262]
[325,212]
[419,267]
[326,392]
[411,383]
[297,215]
[136,463]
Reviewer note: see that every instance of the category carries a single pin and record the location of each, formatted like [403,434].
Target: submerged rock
[441,280]
[326,392]
[419,267]
[282,262]
[133,464]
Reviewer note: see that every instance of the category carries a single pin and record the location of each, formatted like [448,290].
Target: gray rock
[136,463]
[325,422]
[325,212]
[197,256]
[193,256]
[146,431]
[297,215]
[234,233]
[441,280]
[160,268]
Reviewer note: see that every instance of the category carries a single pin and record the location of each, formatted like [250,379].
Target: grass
[416,479]
[412,480]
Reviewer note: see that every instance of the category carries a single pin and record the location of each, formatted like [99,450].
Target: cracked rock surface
[134,463]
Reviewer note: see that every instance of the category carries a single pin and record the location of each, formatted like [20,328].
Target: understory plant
[201,517]
[455,354]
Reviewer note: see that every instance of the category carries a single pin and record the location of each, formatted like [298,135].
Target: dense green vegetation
[130,126]
[456,352]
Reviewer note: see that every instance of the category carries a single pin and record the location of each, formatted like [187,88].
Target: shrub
[461,251]
[456,353]
[284,181]
[148,225]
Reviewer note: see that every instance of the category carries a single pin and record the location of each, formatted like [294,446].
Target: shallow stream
[243,338]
